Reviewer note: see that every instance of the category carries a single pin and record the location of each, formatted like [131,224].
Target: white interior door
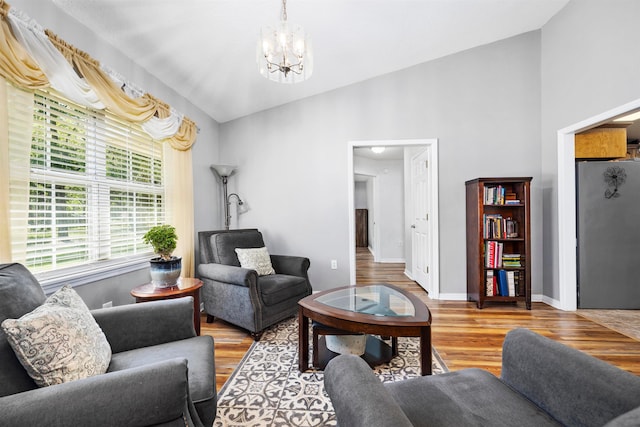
[420,227]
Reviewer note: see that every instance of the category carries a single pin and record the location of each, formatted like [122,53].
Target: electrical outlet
[107,304]
[334,264]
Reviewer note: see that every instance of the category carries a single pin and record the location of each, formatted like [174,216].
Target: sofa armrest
[628,419]
[291,265]
[151,323]
[358,397]
[228,274]
[571,386]
[148,395]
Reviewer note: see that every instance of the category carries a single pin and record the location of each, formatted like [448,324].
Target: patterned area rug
[268,390]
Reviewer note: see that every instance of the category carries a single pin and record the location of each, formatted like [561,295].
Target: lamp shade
[223,170]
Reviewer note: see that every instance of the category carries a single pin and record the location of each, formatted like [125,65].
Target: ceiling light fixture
[378,150]
[284,51]
[632,117]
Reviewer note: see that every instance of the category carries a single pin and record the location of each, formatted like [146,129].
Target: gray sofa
[239,295]
[542,383]
[160,374]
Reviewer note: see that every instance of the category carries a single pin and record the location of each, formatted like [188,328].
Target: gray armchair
[161,373]
[239,295]
[542,383]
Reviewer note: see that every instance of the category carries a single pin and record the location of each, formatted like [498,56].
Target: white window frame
[99,185]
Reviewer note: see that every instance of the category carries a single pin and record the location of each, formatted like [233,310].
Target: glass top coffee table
[378,309]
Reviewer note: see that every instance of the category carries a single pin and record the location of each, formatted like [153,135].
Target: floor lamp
[223,172]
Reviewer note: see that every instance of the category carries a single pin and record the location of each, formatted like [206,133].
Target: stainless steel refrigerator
[608,218]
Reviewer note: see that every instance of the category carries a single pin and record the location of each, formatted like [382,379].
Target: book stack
[493,254]
[511,198]
[503,283]
[494,195]
[518,284]
[497,227]
[511,260]
[490,286]
[494,226]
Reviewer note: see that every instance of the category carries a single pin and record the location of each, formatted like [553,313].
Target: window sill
[90,273]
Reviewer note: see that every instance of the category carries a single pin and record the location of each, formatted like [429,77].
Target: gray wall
[483,105]
[589,65]
[205,150]
[360,195]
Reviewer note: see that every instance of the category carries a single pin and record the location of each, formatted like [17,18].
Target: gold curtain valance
[163,110]
[16,65]
[134,109]
[185,137]
[186,134]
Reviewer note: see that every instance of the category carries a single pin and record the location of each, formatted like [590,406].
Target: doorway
[430,252]
[566,205]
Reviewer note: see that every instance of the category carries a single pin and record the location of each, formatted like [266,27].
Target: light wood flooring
[463,335]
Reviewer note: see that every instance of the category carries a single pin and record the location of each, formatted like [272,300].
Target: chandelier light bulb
[284,52]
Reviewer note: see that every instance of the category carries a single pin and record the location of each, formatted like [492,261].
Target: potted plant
[165,269]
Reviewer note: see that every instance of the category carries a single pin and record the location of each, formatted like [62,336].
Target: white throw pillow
[257,259]
[59,341]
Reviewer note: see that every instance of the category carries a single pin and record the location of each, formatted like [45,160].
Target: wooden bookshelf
[498,240]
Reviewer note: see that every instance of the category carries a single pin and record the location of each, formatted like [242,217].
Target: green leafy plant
[163,238]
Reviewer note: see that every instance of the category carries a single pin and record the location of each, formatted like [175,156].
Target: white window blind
[94,185]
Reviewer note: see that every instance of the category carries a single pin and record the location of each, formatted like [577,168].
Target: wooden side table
[185,287]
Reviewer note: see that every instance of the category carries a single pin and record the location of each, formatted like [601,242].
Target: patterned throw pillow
[257,259]
[59,341]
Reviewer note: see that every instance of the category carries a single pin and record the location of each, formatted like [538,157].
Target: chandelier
[284,51]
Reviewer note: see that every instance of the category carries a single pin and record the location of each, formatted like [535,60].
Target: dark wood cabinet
[498,228]
[362,228]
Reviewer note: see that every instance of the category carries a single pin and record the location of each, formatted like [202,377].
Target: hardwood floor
[463,335]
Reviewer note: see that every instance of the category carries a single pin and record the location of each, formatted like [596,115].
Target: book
[519,283]
[495,285]
[502,283]
[511,284]
[489,284]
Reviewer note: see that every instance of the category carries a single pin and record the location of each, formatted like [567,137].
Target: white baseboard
[391,260]
[549,301]
[452,297]
[408,274]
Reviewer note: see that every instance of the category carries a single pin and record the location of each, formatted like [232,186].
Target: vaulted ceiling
[206,49]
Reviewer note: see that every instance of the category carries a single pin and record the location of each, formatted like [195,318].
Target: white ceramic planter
[347,344]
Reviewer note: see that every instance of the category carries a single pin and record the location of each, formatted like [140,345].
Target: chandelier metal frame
[284,51]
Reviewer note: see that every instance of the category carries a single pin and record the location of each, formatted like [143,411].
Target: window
[94,186]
